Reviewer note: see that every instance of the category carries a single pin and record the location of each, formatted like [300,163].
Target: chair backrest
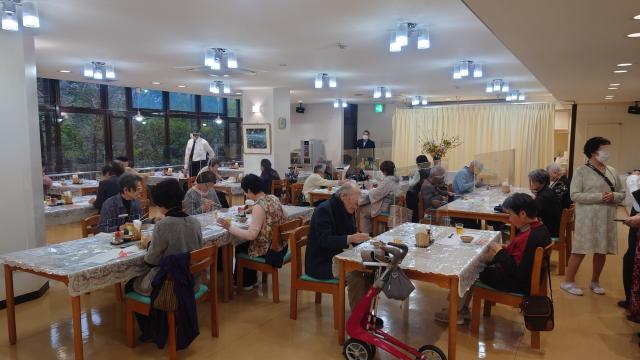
[539,271]
[280,185]
[191,181]
[144,205]
[567,224]
[143,188]
[296,190]
[203,259]
[297,240]
[281,231]
[90,225]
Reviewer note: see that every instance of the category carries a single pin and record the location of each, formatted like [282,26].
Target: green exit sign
[378,108]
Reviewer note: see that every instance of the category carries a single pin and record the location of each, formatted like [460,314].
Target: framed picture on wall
[256,138]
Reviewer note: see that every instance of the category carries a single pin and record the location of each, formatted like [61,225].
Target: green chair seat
[384,213]
[132,295]
[306,277]
[555,239]
[480,284]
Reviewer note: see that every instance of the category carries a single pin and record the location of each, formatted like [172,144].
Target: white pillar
[22,220]
[273,105]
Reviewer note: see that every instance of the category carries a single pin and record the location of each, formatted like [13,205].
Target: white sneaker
[595,287]
[571,288]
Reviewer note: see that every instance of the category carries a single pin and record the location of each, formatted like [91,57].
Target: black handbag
[538,309]
[275,258]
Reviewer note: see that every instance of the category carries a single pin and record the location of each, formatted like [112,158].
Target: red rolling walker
[365,337]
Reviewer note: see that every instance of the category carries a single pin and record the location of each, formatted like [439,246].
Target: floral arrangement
[438,148]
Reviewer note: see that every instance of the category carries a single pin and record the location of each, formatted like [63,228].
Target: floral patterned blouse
[274,214]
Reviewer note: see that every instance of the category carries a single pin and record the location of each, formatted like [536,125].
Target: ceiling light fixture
[619,71]
[515,95]
[624,64]
[182,86]
[400,37]
[99,70]
[380,91]
[419,100]
[155,83]
[614,84]
[637,17]
[214,58]
[138,117]
[497,86]
[218,87]
[64,71]
[9,10]
[465,68]
[612,88]
[337,103]
[634,35]
[321,78]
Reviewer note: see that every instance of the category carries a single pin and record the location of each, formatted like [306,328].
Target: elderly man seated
[317,180]
[123,207]
[333,229]
[465,180]
[433,190]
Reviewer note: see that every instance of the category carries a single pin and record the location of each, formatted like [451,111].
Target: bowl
[466,238]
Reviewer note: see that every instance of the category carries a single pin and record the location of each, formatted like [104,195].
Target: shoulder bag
[538,309]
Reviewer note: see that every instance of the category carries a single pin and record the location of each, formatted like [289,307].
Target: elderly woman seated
[510,267]
[549,209]
[559,184]
[202,197]
[433,190]
[380,198]
[267,213]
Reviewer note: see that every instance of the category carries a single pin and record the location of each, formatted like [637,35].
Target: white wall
[22,223]
[322,122]
[613,122]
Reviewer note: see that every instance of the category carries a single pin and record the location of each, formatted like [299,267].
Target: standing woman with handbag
[597,191]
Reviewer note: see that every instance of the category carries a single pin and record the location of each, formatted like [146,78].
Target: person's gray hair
[539,176]
[345,188]
[554,168]
[476,164]
[437,170]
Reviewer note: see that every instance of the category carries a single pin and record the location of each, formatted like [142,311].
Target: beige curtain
[526,128]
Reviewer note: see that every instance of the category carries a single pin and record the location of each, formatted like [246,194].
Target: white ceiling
[148,40]
[571,46]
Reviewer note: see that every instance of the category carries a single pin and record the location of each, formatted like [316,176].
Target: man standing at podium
[366,148]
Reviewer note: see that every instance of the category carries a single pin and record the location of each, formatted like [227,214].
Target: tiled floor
[252,327]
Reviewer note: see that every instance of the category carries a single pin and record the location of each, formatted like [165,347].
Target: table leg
[341,295]
[226,268]
[11,310]
[77,327]
[230,254]
[453,317]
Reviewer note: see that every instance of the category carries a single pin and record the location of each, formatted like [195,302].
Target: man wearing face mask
[465,180]
[196,154]
[365,142]
[596,190]
[366,149]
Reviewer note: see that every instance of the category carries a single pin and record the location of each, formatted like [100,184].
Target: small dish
[466,238]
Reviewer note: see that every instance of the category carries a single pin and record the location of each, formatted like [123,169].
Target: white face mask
[365,137]
[602,155]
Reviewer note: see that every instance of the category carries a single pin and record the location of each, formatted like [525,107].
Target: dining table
[448,262]
[62,213]
[85,187]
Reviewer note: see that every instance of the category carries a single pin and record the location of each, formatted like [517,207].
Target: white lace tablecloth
[59,187]
[68,214]
[448,256]
[481,201]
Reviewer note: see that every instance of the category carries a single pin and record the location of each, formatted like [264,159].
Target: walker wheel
[431,352]
[357,350]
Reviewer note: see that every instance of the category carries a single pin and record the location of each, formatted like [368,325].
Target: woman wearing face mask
[596,190]
[630,257]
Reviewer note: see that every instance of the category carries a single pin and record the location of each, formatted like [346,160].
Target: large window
[82,138]
[182,102]
[79,94]
[179,132]
[147,99]
[148,142]
[83,125]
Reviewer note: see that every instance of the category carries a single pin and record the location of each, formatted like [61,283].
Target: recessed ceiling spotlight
[238,93]
[614,84]
[155,83]
[624,64]
[634,35]
[619,71]
[64,71]
[225,75]
[612,88]
[637,17]
[182,86]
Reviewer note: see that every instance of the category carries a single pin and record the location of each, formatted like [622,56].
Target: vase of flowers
[438,147]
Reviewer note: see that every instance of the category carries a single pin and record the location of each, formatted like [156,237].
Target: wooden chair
[296,190]
[144,205]
[245,261]
[563,242]
[491,296]
[201,260]
[302,282]
[144,195]
[191,181]
[383,219]
[227,193]
[90,225]
[280,185]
